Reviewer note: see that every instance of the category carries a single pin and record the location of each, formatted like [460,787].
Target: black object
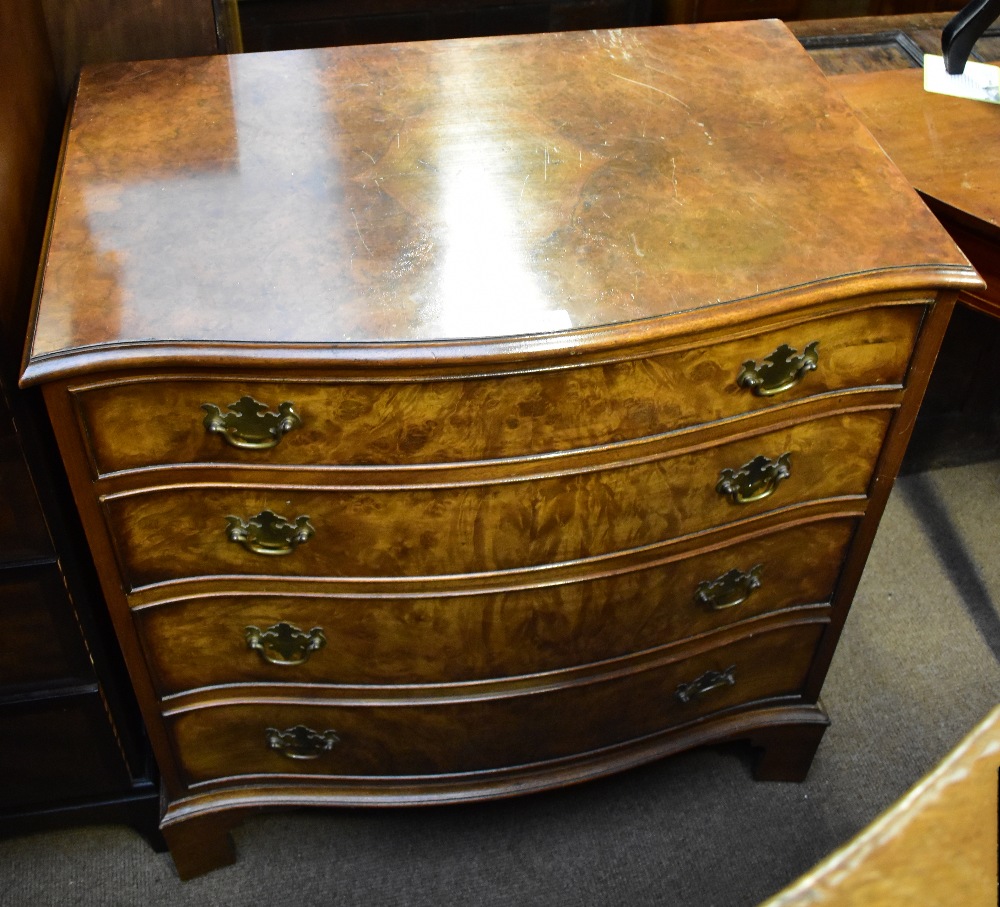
[963,30]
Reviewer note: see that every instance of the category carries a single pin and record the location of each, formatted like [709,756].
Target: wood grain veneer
[958,421]
[463,730]
[562,205]
[427,416]
[394,528]
[450,635]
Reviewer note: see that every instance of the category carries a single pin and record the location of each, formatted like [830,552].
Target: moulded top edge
[923,282]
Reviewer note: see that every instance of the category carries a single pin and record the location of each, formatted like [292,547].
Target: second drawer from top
[479,527]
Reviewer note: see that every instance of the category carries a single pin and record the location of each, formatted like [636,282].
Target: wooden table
[461,419]
[945,146]
[942,144]
[876,61]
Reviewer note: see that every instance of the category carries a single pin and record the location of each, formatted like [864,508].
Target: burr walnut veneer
[462,419]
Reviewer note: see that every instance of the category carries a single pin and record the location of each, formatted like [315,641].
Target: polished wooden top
[944,145]
[493,196]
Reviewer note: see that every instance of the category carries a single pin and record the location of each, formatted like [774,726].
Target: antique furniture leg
[200,844]
[785,752]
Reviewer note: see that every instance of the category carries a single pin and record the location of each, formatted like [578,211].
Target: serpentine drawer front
[440,436]
[436,633]
[492,519]
[363,420]
[463,729]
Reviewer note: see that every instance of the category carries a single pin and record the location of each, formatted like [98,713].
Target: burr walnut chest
[461,419]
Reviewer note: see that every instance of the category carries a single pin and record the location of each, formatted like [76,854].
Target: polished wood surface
[938,141]
[960,419]
[366,215]
[516,334]
[937,845]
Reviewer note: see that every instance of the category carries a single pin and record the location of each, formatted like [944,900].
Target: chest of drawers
[462,419]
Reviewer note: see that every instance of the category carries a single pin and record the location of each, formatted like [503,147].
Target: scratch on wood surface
[131,77]
[754,201]
[651,88]
[357,227]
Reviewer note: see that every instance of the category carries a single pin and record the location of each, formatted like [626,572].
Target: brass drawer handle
[755,480]
[283,644]
[300,742]
[249,424]
[729,590]
[710,680]
[780,371]
[268,533]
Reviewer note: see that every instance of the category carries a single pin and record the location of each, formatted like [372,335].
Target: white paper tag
[979,82]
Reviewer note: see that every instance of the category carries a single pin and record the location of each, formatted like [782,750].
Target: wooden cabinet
[442,436]
[96,31]
[284,24]
[52,698]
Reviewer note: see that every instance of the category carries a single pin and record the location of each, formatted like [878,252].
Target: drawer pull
[249,425]
[780,371]
[283,644]
[268,533]
[300,742]
[729,590]
[710,680]
[755,480]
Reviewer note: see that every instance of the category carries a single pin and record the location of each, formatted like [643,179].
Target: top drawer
[432,418]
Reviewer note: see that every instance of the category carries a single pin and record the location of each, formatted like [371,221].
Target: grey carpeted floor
[916,669]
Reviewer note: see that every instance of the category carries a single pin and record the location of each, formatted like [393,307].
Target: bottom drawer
[465,728]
